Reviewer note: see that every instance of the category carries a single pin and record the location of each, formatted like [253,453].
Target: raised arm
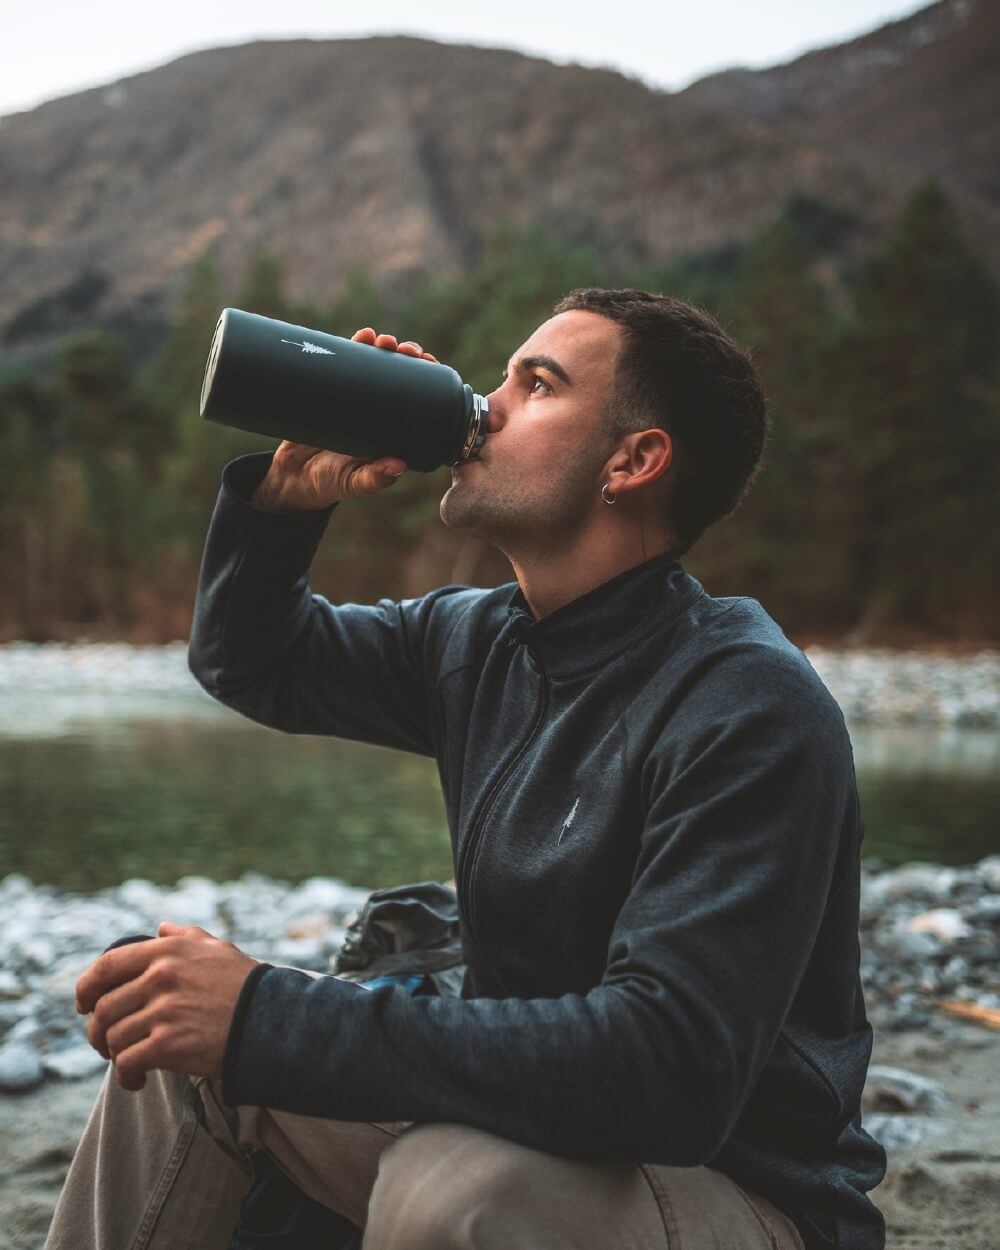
[265,645]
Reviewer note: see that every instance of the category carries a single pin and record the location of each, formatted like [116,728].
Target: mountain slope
[924,91]
[401,153]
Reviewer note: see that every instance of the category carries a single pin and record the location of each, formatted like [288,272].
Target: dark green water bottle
[290,382]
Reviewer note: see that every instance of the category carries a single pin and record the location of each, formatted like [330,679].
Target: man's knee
[448,1187]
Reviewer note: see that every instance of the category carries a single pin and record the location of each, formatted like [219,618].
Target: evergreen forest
[875,519]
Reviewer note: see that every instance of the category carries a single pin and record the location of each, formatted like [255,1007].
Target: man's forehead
[576,338]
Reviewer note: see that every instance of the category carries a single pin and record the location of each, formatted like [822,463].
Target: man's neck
[549,580]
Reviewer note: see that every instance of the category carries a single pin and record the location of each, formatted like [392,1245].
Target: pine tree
[919,369]
[787,542]
[27,447]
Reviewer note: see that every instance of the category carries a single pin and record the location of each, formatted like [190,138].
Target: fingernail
[393,472]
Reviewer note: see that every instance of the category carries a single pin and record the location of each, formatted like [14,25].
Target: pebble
[74,1063]
[944,923]
[10,986]
[895,1131]
[895,1089]
[20,1067]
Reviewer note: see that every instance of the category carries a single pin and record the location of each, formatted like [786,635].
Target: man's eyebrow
[541,362]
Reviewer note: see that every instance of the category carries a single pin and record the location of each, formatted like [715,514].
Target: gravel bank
[930,938]
[884,687]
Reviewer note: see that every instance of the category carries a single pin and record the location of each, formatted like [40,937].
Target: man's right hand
[305,478]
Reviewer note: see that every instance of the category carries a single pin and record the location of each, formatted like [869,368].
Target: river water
[95,789]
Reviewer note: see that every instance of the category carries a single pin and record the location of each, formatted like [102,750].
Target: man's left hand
[167,1003]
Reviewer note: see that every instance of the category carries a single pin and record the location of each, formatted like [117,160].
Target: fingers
[125,963]
[132,1064]
[410,348]
[113,1007]
[292,457]
[128,1032]
[169,929]
[388,342]
[376,475]
[112,969]
[132,1082]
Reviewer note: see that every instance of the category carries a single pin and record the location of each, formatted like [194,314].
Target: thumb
[378,475]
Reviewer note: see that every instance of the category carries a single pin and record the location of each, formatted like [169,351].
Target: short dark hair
[679,371]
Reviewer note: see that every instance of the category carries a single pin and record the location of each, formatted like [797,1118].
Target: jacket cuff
[284,1040]
[230,1057]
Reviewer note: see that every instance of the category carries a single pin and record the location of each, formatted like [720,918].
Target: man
[661,1040]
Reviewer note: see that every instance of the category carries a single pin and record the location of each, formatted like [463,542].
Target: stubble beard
[519,517]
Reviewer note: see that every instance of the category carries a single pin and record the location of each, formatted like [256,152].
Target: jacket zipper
[474,844]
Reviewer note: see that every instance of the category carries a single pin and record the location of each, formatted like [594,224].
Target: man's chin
[460,514]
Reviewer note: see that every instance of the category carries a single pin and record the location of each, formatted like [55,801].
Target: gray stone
[140,894]
[986,908]
[17,1009]
[901,944]
[895,1089]
[30,1029]
[895,1131]
[10,985]
[917,880]
[38,952]
[955,970]
[74,1063]
[20,1067]
[988,871]
[301,953]
[944,923]
[193,902]
[14,886]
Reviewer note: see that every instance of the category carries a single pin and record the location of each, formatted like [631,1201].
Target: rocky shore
[871,686]
[929,937]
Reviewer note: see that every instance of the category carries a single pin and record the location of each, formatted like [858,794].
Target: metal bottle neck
[476,434]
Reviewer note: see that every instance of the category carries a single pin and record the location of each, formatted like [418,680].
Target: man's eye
[537,381]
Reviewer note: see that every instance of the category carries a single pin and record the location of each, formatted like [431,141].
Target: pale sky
[54,49]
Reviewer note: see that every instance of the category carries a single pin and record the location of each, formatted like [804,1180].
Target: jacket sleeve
[749,815]
[263,644]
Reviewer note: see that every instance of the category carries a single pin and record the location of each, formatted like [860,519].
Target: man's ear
[640,459]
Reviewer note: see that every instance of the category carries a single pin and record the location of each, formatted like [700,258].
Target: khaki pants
[166,1169]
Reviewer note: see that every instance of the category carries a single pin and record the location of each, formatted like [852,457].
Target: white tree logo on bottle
[312,348]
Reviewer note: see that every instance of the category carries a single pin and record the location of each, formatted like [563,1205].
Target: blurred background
[824,178]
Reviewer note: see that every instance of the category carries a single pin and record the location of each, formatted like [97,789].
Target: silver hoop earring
[608,495]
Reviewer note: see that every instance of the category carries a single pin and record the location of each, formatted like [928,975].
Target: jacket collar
[594,628]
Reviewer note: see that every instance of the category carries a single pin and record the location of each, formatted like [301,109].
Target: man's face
[538,478]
